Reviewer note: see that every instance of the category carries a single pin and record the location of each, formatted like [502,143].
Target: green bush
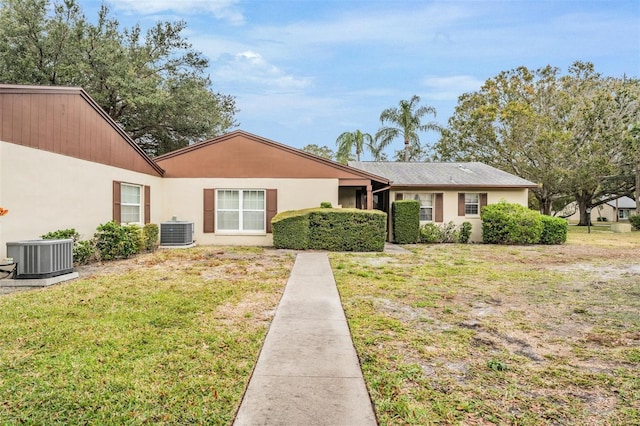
[406,221]
[510,223]
[114,241]
[347,230]
[465,232]
[634,220]
[330,229]
[446,233]
[291,229]
[136,234]
[554,230]
[430,233]
[325,205]
[83,251]
[151,232]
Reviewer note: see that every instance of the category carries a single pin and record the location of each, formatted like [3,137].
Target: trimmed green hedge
[634,220]
[406,221]
[510,223]
[554,230]
[330,229]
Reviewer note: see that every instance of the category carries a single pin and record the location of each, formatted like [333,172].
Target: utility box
[41,258]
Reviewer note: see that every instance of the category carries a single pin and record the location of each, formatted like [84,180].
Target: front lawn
[481,334]
[165,338]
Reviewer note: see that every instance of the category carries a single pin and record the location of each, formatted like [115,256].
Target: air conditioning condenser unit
[176,233]
[41,258]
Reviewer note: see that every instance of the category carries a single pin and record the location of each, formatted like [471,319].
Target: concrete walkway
[308,372]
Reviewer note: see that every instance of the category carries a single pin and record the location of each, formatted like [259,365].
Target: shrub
[430,233]
[406,221]
[151,233]
[83,251]
[510,223]
[136,234]
[114,241]
[465,232]
[446,233]
[347,230]
[554,230]
[325,205]
[634,220]
[330,229]
[291,229]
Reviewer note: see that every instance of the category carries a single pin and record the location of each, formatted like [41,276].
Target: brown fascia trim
[19,89]
[277,145]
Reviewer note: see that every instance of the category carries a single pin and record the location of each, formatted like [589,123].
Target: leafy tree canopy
[349,141]
[152,84]
[321,151]
[405,121]
[564,132]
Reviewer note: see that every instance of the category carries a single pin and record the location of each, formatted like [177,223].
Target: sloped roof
[240,154]
[623,203]
[472,174]
[67,121]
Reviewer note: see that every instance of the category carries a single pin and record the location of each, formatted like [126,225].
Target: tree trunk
[584,216]
[406,150]
[638,187]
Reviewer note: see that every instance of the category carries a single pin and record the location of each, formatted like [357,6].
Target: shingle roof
[472,174]
[623,203]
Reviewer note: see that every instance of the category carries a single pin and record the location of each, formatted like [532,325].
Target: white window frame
[412,195]
[470,204]
[241,211]
[623,214]
[139,205]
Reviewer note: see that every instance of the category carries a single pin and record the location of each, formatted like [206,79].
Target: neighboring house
[447,192]
[617,210]
[64,163]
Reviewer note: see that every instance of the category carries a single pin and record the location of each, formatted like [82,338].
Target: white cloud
[251,71]
[222,9]
[451,87]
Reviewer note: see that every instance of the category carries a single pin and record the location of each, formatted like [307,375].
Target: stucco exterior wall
[450,204]
[183,199]
[45,192]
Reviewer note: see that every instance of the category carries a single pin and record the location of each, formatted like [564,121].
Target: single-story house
[617,210]
[447,192]
[64,163]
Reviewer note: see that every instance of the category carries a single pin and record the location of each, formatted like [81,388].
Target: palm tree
[347,141]
[405,121]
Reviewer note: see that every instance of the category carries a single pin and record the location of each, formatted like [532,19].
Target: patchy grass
[480,334]
[164,338]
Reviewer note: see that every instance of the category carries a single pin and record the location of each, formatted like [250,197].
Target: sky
[305,71]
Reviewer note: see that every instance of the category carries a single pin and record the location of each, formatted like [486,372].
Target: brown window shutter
[460,203]
[272,206]
[147,204]
[209,210]
[438,206]
[117,212]
[483,200]
[399,196]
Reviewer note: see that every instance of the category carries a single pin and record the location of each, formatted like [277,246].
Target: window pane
[471,209]
[229,220]
[426,213]
[129,214]
[253,200]
[471,198]
[253,221]
[228,200]
[130,194]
